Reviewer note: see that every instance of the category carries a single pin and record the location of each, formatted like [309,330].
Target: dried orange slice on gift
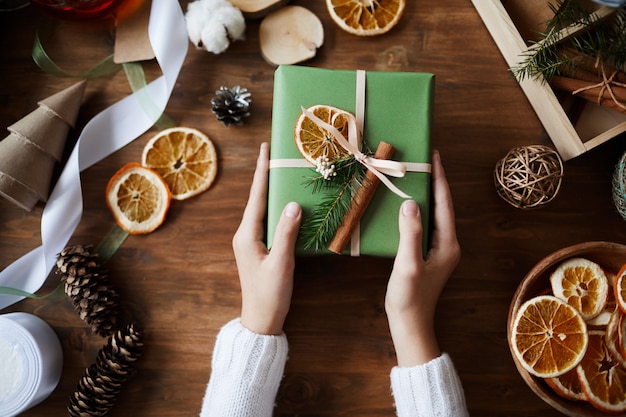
[366,17]
[138,198]
[548,336]
[313,141]
[582,284]
[602,377]
[185,158]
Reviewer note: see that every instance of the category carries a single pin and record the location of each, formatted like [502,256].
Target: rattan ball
[529,176]
[619,186]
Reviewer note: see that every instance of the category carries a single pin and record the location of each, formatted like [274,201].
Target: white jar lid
[31,362]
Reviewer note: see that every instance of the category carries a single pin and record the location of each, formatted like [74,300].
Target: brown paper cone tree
[35,144]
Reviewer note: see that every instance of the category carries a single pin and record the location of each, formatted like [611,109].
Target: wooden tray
[593,125]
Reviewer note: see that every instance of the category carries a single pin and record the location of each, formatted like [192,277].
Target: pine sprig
[603,40]
[320,227]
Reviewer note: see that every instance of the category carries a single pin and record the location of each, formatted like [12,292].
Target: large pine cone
[99,387]
[87,284]
[231,105]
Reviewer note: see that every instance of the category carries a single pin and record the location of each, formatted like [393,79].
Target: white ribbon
[108,131]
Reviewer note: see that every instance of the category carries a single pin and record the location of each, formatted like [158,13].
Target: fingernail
[410,208]
[292,210]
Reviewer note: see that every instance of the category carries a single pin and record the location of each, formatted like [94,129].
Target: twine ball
[619,186]
[529,176]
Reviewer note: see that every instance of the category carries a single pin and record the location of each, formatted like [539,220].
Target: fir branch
[567,13]
[320,227]
[600,39]
[346,168]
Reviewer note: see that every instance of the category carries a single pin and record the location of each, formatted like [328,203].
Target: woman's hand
[417,282]
[266,276]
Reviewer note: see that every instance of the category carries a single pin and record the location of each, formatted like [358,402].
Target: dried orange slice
[613,337]
[548,336]
[602,377]
[602,320]
[366,17]
[313,141]
[138,198]
[185,158]
[567,386]
[582,284]
[620,289]
[621,335]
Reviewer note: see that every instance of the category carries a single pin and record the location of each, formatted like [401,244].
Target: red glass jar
[78,9]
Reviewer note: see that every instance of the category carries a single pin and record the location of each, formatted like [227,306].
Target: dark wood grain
[181,282]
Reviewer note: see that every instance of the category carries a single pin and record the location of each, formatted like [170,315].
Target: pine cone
[97,391]
[87,284]
[231,105]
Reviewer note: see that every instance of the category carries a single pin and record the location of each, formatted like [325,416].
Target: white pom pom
[215,38]
[233,20]
[212,24]
[195,21]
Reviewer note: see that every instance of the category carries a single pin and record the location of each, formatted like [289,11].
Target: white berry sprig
[326,167]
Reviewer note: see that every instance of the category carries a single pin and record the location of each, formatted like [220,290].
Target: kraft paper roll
[31,361]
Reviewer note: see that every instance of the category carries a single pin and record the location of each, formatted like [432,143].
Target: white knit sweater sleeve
[246,371]
[429,390]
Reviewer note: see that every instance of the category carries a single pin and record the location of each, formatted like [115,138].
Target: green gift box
[398,110]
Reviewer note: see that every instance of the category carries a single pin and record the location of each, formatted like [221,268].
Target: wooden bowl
[611,257]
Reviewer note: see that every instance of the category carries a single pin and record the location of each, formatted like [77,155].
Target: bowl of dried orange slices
[567,331]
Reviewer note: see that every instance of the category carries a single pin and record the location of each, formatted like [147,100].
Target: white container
[31,361]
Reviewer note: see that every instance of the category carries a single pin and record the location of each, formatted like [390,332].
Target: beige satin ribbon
[378,167]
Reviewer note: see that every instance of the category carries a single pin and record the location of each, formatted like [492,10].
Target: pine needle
[320,227]
[601,39]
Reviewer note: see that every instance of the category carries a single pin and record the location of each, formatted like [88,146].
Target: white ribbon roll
[31,362]
[108,131]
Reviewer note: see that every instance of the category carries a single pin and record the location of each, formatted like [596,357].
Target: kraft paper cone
[35,143]
[43,129]
[26,163]
[17,193]
[66,103]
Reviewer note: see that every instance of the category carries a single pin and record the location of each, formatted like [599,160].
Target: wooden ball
[529,176]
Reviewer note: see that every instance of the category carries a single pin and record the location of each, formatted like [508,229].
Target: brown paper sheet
[132,42]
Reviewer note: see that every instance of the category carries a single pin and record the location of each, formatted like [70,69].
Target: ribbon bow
[379,167]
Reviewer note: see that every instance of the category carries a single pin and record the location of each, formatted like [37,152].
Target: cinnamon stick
[592,94]
[359,203]
[587,68]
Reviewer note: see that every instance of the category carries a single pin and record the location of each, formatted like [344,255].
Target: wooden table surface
[181,283]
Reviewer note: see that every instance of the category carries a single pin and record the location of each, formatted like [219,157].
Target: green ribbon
[58,292]
[110,243]
[105,67]
[105,249]
[137,80]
